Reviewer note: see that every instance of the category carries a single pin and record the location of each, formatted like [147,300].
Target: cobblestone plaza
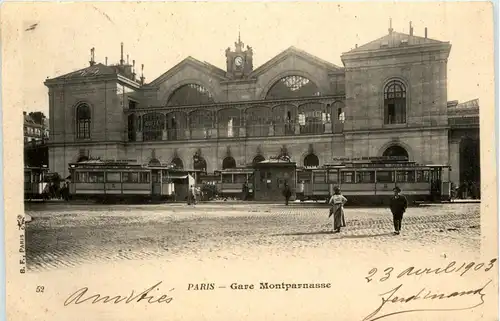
[63,236]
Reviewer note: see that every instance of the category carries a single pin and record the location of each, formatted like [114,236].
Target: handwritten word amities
[145,297]
[452,267]
[392,298]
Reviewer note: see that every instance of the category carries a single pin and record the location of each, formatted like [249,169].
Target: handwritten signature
[392,298]
[78,297]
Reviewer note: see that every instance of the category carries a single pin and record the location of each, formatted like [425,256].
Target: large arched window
[258,121]
[190,94]
[311,160]
[83,120]
[199,163]
[395,151]
[293,87]
[395,102]
[153,125]
[228,162]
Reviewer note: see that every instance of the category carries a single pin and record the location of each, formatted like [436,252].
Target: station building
[388,99]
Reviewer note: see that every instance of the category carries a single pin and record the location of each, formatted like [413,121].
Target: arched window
[257,159]
[176,125]
[228,162]
[258,121]
[284,119]
[311,160]
[395,103]
[153,124]
[312,118]
[83,119]
[293,87]
[201,123]
[190,94]
[229,122]
[177,162]
[199,163]
[395,151]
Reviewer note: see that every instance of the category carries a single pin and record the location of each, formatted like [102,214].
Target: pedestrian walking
[337,202]
[398,205]
[287,193]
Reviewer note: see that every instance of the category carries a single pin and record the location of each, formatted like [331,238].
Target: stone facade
[390,92]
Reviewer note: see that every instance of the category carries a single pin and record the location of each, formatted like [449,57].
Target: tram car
[372,181]
[230,182]
[35,182]
[126,180]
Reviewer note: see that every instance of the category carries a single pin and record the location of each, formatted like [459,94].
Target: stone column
[454,157]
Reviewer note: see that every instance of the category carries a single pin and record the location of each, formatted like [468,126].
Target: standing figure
[245,191]
[399,203]
[337,202]
[287,193]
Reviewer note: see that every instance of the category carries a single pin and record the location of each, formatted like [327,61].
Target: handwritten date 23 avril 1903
[452,267]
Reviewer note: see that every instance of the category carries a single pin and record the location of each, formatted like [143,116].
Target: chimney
[142,74]
[121,59]
[92,57]
[106,61]
[127,60]
[356,45]
[390,26]
[411,29]
[425,32]
[133,70]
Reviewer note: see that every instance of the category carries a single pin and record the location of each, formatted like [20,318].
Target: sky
[159,35]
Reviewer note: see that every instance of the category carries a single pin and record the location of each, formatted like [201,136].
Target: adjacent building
[389,98]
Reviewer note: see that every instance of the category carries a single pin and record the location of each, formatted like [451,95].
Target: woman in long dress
[337,202]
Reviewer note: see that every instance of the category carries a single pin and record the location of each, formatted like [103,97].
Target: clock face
[238,61]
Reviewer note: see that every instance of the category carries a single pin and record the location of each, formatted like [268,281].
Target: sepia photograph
[201,161]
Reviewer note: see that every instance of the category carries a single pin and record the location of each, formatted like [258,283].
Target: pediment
[190,62]
[294,52]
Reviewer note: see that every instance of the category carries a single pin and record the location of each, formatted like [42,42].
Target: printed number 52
[39,289]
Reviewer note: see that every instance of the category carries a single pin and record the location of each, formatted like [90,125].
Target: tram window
[82,177]
[385,177]
[333,177]
[113,177]
[347,177]
[365,177]
[304,177]
[227,178]
[144,177]
[131,177]
[319,177]
[96,177]
[27,177]
[405,176]
[240,178]
[422,176]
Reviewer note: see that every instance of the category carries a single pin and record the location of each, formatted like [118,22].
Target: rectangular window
[348,177]
[131,177]
[385,177]
[132,104]
[144,177]
[96,177]
[405,176]
[82,177]
[391,113]
[365,177]
[227,178]
[113,177]
[304,177]
[422,176]
[240,178]
[319,177]
[333,177]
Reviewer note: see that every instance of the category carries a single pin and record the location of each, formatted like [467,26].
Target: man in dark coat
[399,203]
[287,192]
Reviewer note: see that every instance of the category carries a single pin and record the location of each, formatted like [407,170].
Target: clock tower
[239,62]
